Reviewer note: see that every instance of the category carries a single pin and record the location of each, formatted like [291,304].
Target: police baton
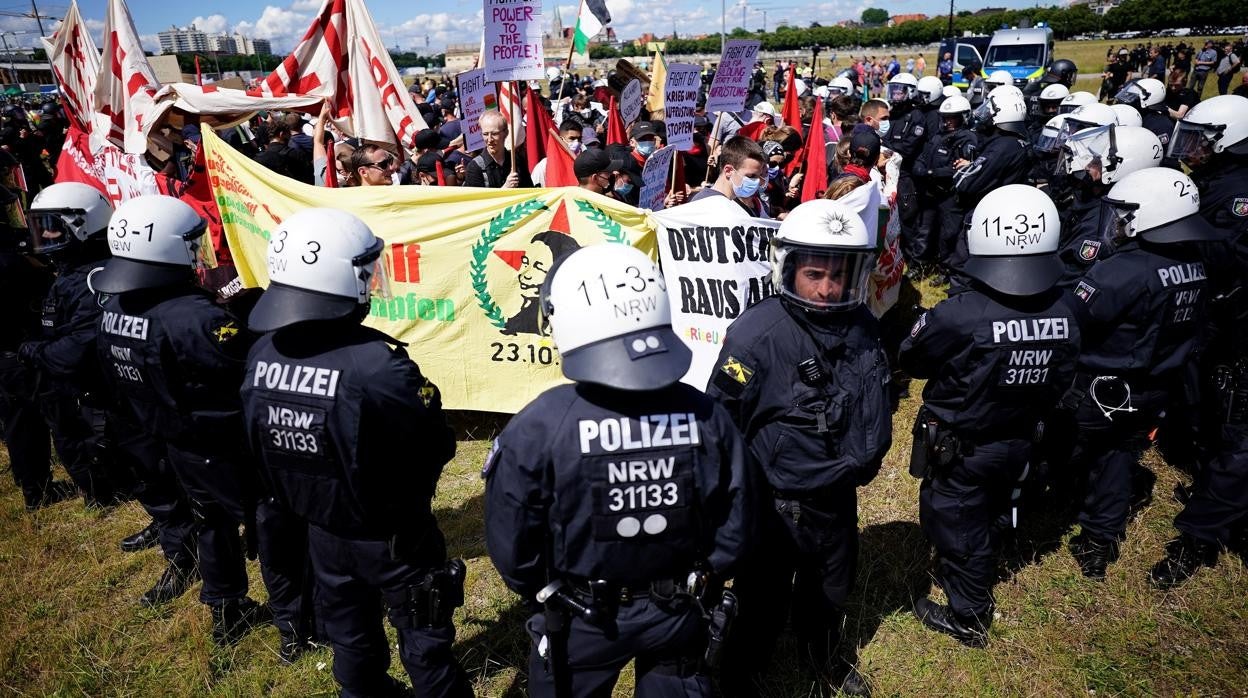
[559,605]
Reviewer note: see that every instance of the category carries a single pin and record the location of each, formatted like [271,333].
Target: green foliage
[212,63]
[874,15]
[1162,14]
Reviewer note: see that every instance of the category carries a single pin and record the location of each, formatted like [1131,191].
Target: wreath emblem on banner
[508,220]
[497,227]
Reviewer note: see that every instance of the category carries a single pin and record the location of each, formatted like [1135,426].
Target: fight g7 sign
[513,40]
[680,100]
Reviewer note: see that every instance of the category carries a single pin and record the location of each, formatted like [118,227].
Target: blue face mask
[624,189]
[646,148]
[748,187]
[773,171]
[884,126]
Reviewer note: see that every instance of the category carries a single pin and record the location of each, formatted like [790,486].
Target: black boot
[969,631]
[57,491]
[852,683]
[173,582]
[294,646]
[147,538]
[1093,555]
[1184,556]
[233,619]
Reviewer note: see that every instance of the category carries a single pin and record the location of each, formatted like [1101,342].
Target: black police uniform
[1223,186]
[64,357]
[352,438]
[638,490]
[809,391]
[996,366]
[1082,243]
[907,135]
[24,285]
[1160,123]
[1004,158]
[176,358]
[1142,311]
[939,210]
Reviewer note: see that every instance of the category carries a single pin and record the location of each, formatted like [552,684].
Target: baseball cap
[593,161]
[642,129]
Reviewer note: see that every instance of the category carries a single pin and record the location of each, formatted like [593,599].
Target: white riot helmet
[1218,124]
[1012,241]
[997,78]
[1004,108]
[930,88]
[956,106]
[822,255]
[1088,116]
[610,319]
[1144,93]
[1049,140]
[1113,151]
[1158,204]
[324,264]
[552,73]
[65,214]
[951,91]
[1127,115]
[1051,98]
[901,88]
[1074,100]
[156,241]
[840,85]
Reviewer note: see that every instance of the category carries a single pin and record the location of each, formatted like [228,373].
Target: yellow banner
[465,266]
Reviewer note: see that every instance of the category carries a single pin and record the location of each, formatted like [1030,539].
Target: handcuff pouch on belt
[432,601]
[935,446]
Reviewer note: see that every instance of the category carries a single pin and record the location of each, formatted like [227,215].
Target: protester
[492,168]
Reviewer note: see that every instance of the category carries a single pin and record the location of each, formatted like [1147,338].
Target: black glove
[27,351]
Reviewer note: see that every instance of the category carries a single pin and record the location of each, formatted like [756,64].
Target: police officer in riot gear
[1142,311]
[1003,155]
[1093,160]
[177,358]
[23,282]
[1047,104]
[997,355]
[1074,100]
[1061,74]
[351,437]
[906,136]
[68,226]
[1046,148]
[68,223]
[954,141]
[1212,139]
[1148,97]
[621,501]
[804,376]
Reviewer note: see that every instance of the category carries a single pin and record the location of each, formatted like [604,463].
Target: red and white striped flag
[76,63]
[126,87]
[342,58]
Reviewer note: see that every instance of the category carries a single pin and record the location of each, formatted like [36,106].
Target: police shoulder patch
[918,130]
[1084,291]
[225,332]
[1089,250]
[1239,206]
[489,459]
[918,325]
[736,370]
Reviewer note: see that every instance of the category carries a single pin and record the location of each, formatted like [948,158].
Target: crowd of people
[1186,68]
[1094,256]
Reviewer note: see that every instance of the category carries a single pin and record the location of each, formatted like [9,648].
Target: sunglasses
[382,164]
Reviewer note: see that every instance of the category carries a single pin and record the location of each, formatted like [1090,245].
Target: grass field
[70,624]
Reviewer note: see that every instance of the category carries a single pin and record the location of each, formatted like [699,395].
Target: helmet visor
[371,275]
[1129,96]
[824,279]
[899,92]
[1117,220]
[1068,107]
[983,113]
[1190,140]
[1086,147]
[53,230]
[199,247]
[1047,141]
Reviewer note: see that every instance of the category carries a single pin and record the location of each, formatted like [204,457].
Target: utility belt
[431,602]
[936,446]
[604,598]
[1110,394]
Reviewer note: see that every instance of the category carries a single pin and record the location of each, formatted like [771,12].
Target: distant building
[896,20]
[252,47]
[222,43]
[183,40]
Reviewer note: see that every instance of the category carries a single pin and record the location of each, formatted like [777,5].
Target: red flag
[197,191]
[615,124]
[331,168]
[559,172]
[816,158]
[199,77]
[790,112]
[753,130]
[538,123]
[76,62]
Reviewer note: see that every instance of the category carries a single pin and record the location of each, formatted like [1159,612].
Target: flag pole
[517,113]
[572,43]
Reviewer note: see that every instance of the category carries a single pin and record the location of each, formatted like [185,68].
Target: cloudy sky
[408,24]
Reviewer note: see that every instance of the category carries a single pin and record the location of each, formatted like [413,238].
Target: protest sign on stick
[513,40]
[680,99]
[654,178]
[473,89]
[732,78]
[630,102]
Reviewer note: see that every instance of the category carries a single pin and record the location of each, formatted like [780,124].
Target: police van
[964,50]
[1023,53]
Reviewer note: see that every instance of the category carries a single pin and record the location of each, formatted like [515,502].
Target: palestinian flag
[592,18]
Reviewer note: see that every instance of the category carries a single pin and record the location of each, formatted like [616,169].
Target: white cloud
[212,24]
